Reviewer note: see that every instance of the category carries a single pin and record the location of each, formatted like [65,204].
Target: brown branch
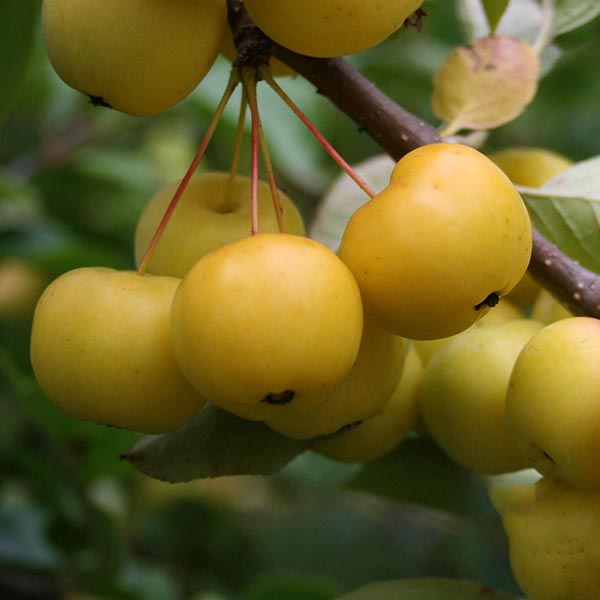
[394,129]
[397,132]
[577,288]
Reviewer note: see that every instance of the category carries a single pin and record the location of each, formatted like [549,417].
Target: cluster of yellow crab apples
[276,327]
[406,327]
[148,68]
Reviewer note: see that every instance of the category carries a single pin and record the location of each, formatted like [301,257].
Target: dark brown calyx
[349,426]
[491,300]
[279,397]
[99,101]
[547,456]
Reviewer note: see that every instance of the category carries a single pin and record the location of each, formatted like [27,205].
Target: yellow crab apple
[326,28]
[547,309]
[139,56]
[101,350]
[367,386]
[504,312]
[382,432]
[436,249]
[552,535]
[462,398]
[532,167]
[212,211]
[552,409]
[21,284]
[267,323]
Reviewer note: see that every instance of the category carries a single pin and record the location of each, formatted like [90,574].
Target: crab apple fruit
[367,386]
[327,28]
[504,312]
[438,247]
[533,167]
[101,350]
[552,531]
[210,214]
[462,399]
[547,309]
[552,408]
[530,166]
[266,323]
[382,432]
[21,284]
[139,56]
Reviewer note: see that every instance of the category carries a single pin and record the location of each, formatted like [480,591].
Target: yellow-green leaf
[571,14]
[425,589]
[485,84]
[212,444]
[566,210]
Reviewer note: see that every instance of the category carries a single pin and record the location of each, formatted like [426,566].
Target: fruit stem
[266,75]
[271,177]
[249,82]
[228,204]
[547,26]
[264,147]
[231,85]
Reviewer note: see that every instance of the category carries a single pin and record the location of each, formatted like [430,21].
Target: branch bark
[394,129]
[398,132]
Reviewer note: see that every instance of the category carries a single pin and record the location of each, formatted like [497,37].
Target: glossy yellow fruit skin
[532,167]
[369,384]
[205,219]
[552,406]
[267,323]
[383,431]
[462,399]
[552,531]
[547,309]
[504,312]
[447,235]
[330,27]
[139,56]
[101,350]
[21,284]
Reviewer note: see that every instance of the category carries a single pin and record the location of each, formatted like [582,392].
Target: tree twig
[394,129]
[398,132]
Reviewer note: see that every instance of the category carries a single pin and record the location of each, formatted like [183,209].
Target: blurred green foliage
[73,517]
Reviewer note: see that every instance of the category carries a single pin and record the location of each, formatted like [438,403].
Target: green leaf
[571,14]
[494,9]
[292,586]
[56,249]
[425,589]
[418,472]
[20,204]
[212,444]
[566,210]
[17,26]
